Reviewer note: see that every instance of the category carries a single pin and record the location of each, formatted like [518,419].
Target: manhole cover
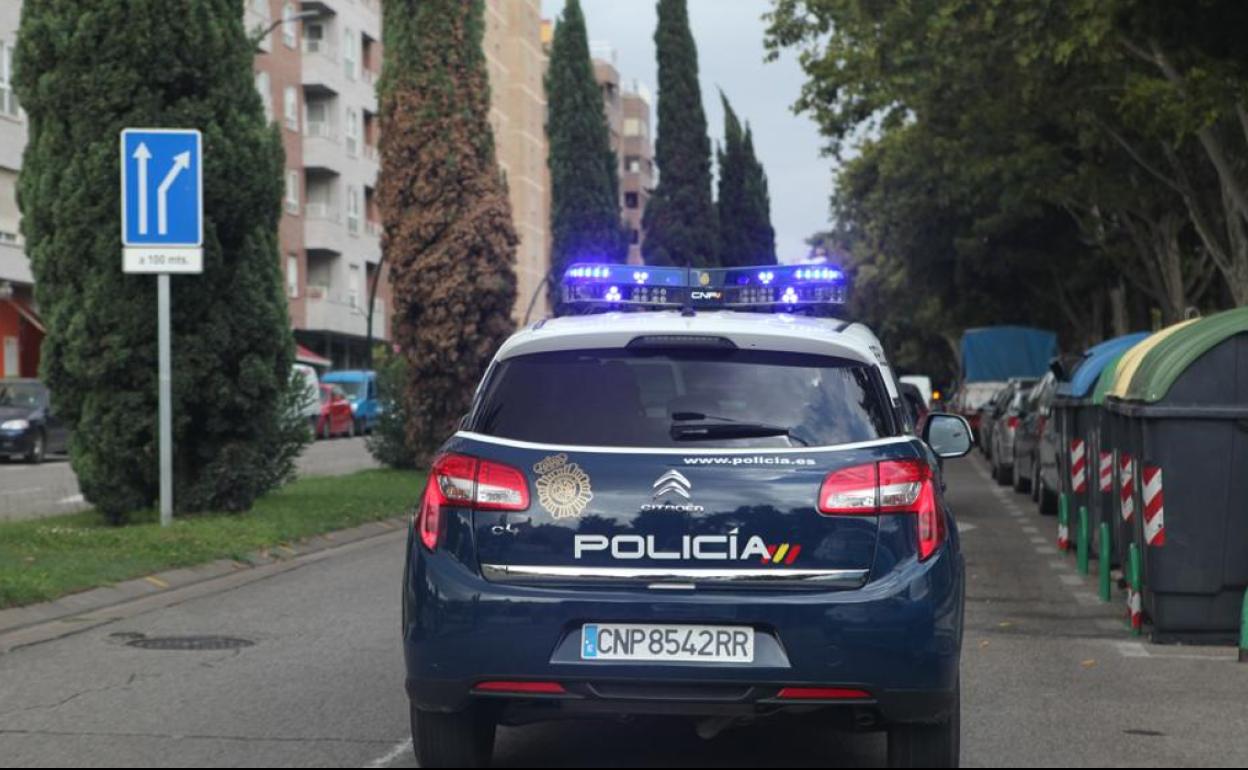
[194,643]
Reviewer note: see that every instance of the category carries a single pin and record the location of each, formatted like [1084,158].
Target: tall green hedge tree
[584,175]
[679,220]
[745,233]
[85,69]
[448,229]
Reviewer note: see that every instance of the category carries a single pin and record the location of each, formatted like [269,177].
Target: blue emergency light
[768,287]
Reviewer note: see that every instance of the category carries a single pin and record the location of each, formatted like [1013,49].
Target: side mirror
[948,435]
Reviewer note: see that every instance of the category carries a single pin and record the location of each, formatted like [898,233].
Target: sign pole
[166,399]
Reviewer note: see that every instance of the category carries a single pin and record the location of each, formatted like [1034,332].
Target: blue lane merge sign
[162,190]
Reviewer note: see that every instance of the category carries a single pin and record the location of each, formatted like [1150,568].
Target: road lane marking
[1046,550]
[1087,598]
[1031,530]
[963,527]
[1059,565]
[1038,540]
[391,756]
[1071,580]
[72,500]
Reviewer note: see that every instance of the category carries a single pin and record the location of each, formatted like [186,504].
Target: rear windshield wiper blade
[707,431]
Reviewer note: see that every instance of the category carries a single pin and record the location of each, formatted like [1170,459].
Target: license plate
[674,644]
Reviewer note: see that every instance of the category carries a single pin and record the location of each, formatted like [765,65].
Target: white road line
[1086,598]
[1132,649]
[392,756]
[1038,540]
[1030,529]
[1071,580]
[963,527]
[72,500]
[1059,565]
[1046,550]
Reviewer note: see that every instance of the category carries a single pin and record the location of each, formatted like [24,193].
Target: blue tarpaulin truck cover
[997,353]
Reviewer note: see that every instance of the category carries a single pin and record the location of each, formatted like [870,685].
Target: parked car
[971,398]
[360,387]
[336,418]
[310,408]
[916,405]
[29,428]
[1036,446]
[1002,426]
[923,383]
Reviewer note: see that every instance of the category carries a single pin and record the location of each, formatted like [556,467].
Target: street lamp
[260,34]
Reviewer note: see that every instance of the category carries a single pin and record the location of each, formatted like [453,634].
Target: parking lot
[1050,677]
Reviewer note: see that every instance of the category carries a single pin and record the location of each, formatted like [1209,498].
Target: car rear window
[619,397]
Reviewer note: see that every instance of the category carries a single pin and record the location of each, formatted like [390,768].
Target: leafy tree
[167,64]
[679,219]
[389,443]
[448,229]
[584,176]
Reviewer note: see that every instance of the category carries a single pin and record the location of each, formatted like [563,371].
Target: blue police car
[698,497]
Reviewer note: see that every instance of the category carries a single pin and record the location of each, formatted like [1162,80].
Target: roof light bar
[772,287]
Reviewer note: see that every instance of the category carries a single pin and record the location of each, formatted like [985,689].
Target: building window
[353,209]
[352,131]
[292,276]
[633,127]
[630,200]
[289,35]
[292,191]
[350,52]
[8,99]
[353,286]
[632,164]
[266,95]
[290,107]
[313,38]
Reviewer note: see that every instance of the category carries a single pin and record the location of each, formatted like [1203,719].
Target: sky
[731,56]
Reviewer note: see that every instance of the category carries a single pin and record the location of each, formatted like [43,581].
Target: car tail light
[459,481]
[889,486]
[1012,423]
[822,693]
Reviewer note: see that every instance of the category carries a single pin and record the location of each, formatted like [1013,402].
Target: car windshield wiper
[707,431]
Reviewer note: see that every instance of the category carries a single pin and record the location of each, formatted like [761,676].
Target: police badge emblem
[563,488]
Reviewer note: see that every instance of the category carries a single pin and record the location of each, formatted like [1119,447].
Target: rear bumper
[898,639]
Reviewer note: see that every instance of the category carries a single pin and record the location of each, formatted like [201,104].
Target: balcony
[14,266]
[323,229]
[322,149]
[332,311]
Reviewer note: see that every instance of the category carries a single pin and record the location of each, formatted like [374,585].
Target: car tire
[38,450]
[1021,484]
[1004,475]
[459,739]
[1035,481]
[927,745]
[1046,498]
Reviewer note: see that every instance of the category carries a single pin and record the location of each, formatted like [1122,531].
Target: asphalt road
[1050,678]
[34,491]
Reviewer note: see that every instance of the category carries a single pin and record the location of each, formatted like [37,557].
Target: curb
[75,613]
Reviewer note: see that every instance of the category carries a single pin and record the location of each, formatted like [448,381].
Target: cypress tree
[584,175]
[86,69]
[761,234]
[734,207]
[680,219]
[448,229]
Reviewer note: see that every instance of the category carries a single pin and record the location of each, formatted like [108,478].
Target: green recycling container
[1187,405]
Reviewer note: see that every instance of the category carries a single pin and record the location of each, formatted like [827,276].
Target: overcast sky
[729,35]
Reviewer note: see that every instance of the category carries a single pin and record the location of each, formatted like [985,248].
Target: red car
[336,418]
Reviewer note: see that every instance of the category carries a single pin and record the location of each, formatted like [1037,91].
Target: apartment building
[628,119]
[316,74]
[21,331]
[517,66]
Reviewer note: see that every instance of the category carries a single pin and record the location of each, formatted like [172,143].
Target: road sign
[162,232]
[162,200]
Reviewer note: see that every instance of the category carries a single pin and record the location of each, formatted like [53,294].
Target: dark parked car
[29,429]
[1036,446]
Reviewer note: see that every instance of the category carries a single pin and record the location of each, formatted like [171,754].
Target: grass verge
[44,559]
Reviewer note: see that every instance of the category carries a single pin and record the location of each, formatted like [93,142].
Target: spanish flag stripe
[780,552]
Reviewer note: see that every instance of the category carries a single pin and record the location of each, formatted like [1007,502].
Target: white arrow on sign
[180,161]
[142,155]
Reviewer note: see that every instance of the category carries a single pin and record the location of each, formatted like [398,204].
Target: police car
[695,497]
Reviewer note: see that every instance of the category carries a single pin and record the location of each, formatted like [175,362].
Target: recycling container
[1103,506]
[1188,407]
[1118,435]
[1078,417]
